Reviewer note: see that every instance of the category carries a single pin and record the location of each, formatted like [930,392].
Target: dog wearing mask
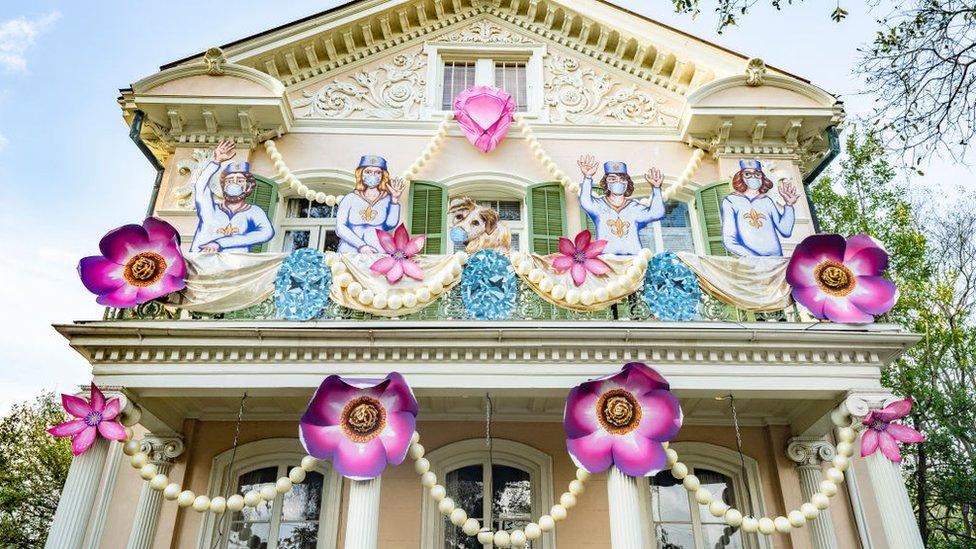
[477,227]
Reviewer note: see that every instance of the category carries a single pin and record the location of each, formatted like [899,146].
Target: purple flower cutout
[138,264]
[92,418]
[884,434]
[622,420]
[360,425]
[840,280]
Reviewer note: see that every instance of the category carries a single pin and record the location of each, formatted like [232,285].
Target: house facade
[215,392]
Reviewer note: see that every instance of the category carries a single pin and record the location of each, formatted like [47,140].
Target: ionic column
[626,518]
[808,452]
[363,521]
[78,498]
[161,451]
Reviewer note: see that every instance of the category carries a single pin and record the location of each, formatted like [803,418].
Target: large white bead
[446,506]
[438,492]
[235,503]
[269,492]
[185,499]
[796,518]
[201,504]
[841,462]
[148,471]
[821,501]
[471,527]
[502,539]
[159,482]
[458,517]
[567,500]
[733,517]
[766,526]
[172,491]
[828,488]
[845,449]
[782,525]
[582,475]
[296,475]
[283,485]
[702,495]
[679,470]
[835,475]
[558,512]
[672,456]
[428,480]
[218,505]
[131,447]
[416,451]
[546,523]
[518,538]
[717,508]
[138,460]
[532,531]
[809,511]
[846,434]
[486,537]
[576,487]
[252,498]
[750,525]
[421,466]
[309,463]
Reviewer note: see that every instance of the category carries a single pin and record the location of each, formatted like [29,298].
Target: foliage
[933,262]
[728,10]
[33,468]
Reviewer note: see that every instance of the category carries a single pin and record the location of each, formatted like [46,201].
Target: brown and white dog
[477,227]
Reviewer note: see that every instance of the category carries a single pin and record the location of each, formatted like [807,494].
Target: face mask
[458,235]
[618,188]
[233,190]
[372,180]
[753,183]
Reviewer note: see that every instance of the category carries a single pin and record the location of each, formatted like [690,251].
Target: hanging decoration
[580,256]
[302,285]
[671,289]
[360,425]
[840,280]
[138,264]
[373,206]
[399,248]
[484,114]
[752,222]
[293,183]
[622,420]
[883,433]
[488,286]
[94,417]
[477,226]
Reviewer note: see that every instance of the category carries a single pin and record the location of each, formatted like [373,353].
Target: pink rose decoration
[840,280]
[401,248]
[581,256]
[883,433]
[360,425]
[484,114]
[622,420]
[94,417]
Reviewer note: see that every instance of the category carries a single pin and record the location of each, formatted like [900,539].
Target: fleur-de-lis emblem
[228,230]
[368,214]
[755,218]
[618,227]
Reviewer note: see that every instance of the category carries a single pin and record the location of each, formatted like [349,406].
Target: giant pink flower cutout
[401,248]
[581,256]
[840,280]
[622,420]
[484,114]
[884,434]
[93,418]
[360,425]
[138,264]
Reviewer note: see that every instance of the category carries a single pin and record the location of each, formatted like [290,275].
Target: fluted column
[626,518]
[161,451]
[363,521]
[78,498]
[808,452]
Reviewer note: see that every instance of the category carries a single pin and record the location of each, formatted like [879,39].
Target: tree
[933,262]
[33,468]
[728,10]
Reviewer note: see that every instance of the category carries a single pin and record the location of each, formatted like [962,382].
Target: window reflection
[290,521]
[510,504]
[681,523]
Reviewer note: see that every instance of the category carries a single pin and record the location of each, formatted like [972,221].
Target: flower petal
[415,244]
[124,297]
[641,378]
[159,230]
[868,262]
[99,275]
[83,440]
[112,430]
[904,433]
[566,247]
[97,399]
[840,309]
[386,241]
[638,456]
[401,237]
[869,442]
[596,266]
[119,244]
[809,253]
[579,417]
[395,438]
[858,243]
[165,286]
[874,294]
[76,406]
[327,403]
[395,273]
[811,297]
[661,418]
[382,265]
[594,452]
[395,394]
[175,264]
[68,428]
[889,446]
[411,269]
[359,461]
[562,263]
[595,248]
[896,410]
[579,273]
[582,240]
[320,441]
[111,410]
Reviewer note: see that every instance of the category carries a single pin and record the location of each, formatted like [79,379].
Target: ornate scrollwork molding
[486,32]
[582,95]
[755,72]
[162,449]
[215,60]
[809,451]
[394,90]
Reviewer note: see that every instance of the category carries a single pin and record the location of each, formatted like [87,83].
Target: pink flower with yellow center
[400,248]
[580,256]
[882,433]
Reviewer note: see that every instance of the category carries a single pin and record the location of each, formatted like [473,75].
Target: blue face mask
[372,180]
[753,183]
[233,190]
[618,188]
[458,235]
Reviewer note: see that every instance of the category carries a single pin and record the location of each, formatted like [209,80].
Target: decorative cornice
[809,451]
[161,449]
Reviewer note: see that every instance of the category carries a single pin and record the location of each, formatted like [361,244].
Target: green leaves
[839,14]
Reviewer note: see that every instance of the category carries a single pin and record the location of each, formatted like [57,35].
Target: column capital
[809,451]
[129,412]
[161,449]
[857,405]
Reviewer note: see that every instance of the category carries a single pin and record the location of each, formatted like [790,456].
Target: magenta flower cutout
[883,433]
[138,264]
[840,280]
[622,420]
[484,114]
[360,425]
[401,248]
[581,256]
[93,418]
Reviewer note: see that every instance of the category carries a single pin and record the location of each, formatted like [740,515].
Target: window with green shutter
[709,205]
[428,215]
[265,196]
[546,220]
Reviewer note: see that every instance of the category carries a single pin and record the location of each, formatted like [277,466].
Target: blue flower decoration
[671,289]
[489,286]
[302,285]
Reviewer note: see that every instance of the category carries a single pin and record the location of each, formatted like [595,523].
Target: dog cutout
[477,227]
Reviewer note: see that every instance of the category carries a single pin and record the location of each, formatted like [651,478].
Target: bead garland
[396,298]
[523,265]
[430,150]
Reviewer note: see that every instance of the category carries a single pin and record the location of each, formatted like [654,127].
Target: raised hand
[788,191]
[587,165]
[397,186]
[654,177]
[224,151]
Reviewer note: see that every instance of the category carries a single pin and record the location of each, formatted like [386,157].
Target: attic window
[458,75]
[512,73]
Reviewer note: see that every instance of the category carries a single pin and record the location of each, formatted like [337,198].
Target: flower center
[618,412]
[144,269]
[835,278]
[399,255]
[579,257]
[363,419]
[93,418]
[879,425]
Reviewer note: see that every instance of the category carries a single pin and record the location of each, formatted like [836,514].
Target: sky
[69,173]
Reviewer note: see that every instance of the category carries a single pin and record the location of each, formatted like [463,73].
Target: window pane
[298,535]
[511,77]
[458,75]
[249,535]
[675,536]
[722,536]
[251,527]
[468,488]
[301,208]
[511,497]
[295,240]
[669,500]
[304,501]
[331,243]
[297,208]
[720,486]
[676,228]
[515,243]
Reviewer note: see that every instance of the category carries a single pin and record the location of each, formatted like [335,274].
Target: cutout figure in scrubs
[230,223]
[617,217]
[375,204]
[752,223]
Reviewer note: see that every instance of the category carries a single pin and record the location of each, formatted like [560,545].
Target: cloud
[18,35]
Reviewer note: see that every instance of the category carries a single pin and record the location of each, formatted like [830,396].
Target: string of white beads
[396,299]
[293,182]
[524,266]
[433,147]
[540,154]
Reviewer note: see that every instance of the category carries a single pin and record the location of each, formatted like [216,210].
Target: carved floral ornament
[486,32]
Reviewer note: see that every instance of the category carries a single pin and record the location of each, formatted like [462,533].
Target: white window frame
[503,452]
[337,182]
[273,452]
[645,194]
[721,460]
[484,56]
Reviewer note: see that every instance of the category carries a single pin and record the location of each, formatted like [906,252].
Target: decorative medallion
[302,285]
[671,289]
[489,286]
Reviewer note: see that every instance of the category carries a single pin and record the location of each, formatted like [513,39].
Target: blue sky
[68,171]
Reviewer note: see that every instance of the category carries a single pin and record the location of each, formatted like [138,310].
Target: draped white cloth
[756,284]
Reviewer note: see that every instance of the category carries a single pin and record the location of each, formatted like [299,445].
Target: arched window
[504,490]
[304,518]
[679,522]
[306,223]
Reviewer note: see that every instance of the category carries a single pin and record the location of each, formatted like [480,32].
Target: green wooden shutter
[265,196]
[709,205]
[428,215]
[546,221]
